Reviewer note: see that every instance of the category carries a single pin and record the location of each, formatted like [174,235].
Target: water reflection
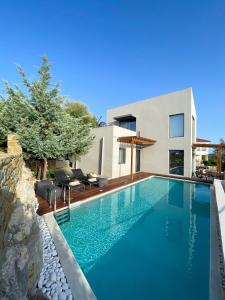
[153,232]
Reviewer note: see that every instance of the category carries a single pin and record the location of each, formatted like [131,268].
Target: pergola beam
[197,145]
[135,140]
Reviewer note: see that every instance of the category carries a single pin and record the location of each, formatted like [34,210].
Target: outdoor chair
[61,178]
[48,191]
[67,182]
[79,175]
[88,180]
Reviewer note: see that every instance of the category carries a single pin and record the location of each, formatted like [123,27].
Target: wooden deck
[79,195]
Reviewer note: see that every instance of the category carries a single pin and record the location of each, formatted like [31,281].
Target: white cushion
[92,179]
[74,183]
[93,175]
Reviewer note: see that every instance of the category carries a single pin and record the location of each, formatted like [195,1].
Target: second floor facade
[169,119]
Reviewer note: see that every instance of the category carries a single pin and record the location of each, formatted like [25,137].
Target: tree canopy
[80,110]
[36,114]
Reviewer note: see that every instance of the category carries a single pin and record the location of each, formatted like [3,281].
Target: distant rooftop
[198,140]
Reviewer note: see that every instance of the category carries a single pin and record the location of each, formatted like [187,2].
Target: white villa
[201,153]
[165,129]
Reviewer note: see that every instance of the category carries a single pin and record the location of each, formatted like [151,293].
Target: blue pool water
[147,241]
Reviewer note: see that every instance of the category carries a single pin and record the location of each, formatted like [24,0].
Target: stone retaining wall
[20,243]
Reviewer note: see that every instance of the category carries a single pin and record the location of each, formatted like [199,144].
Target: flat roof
[129,117]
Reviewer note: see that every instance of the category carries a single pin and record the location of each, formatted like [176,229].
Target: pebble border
[52,281]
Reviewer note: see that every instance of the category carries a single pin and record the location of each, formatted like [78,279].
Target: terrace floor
[79,195]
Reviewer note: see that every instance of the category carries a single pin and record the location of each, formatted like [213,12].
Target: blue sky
[109,53]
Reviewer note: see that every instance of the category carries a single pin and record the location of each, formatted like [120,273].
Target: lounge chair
[78,174]
[61,178]
[99,181]
[67,182]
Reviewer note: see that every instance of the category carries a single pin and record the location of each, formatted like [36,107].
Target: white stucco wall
[122,169]
[201,154]
[89,162]
[202,151]
[110,159]
[152,121]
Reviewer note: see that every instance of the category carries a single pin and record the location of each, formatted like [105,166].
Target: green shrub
[210,162]
[50,173]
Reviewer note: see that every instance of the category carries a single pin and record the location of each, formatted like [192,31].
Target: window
[128,125]
[177,125]
[176,162]
[122,155]
[126,121]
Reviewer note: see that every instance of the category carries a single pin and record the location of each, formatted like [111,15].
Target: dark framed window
[122,155]
[126,121]
[176,125]
[128,125]
[176,162]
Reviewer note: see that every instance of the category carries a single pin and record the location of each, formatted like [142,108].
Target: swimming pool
[146,241]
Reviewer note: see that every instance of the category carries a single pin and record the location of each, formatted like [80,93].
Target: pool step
[62,216]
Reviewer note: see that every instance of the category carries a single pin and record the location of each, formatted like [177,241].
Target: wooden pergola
[219,154]
[135,140]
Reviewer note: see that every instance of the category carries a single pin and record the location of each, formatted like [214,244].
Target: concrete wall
[121,169]
[110,158]
[152,121]
[90,161]
[201,154]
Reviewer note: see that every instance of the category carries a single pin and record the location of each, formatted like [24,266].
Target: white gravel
[52,281]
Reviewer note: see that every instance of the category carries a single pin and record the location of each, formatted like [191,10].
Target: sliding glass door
[138,160]
[176,162]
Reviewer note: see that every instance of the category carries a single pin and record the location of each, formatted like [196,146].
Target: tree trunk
[39,170]
[45,168]
[73,163]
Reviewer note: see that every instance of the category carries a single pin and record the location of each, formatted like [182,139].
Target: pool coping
[81,289]
[220,201]
[181,179]
[217,241]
